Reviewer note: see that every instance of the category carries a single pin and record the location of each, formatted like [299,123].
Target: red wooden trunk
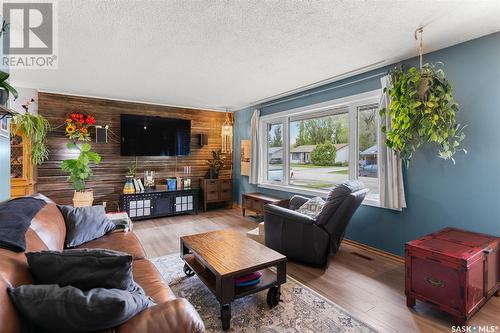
[454,269]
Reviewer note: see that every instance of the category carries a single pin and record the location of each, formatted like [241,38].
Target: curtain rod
[279,101]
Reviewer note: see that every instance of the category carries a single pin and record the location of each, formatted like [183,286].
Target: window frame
[351,104]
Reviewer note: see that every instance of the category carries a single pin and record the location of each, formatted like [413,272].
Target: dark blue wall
[438,193]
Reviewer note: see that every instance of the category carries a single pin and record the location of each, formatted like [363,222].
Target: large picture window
[311,150]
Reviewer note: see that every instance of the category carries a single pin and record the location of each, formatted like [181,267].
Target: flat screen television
[154,136]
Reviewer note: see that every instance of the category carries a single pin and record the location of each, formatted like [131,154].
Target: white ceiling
[212,54]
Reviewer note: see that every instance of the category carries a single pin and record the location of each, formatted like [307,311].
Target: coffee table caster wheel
[188,271]
[273,296]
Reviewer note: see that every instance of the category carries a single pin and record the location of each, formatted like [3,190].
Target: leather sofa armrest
[285,213]
[175,316]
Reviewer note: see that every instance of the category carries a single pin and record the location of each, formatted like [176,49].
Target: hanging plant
[422,110]
[35,128]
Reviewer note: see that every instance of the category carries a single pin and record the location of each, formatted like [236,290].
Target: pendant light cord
[420,30]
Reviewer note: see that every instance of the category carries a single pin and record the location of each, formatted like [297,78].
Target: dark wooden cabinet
[256,201]
[216,191]
[158,203]
[454,269]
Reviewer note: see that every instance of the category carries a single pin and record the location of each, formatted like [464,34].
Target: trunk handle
[435,283]
[488,250]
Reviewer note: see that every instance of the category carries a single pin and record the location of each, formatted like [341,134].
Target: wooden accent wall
[109,176]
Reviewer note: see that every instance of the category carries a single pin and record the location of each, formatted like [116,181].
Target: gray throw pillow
[336,197]
[69,309]
[82,268]
[84,224]
[312,207]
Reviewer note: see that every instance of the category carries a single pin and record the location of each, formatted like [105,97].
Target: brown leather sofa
[47,232]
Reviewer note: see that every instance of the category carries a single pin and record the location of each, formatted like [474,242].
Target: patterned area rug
[302,309]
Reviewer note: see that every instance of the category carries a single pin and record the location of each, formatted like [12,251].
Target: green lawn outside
[341,172]
[305,166]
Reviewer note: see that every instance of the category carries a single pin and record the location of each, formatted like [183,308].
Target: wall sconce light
[227,134]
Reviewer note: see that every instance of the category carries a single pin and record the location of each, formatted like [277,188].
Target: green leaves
[4,76]
[78,169]
[35,128]
[423,110]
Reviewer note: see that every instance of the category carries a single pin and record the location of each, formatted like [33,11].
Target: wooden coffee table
[218,257]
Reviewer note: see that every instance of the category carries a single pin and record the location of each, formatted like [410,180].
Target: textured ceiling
[211,54]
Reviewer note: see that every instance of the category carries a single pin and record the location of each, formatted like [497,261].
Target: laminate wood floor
[367,285]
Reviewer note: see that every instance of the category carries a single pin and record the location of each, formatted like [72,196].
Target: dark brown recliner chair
[307,240]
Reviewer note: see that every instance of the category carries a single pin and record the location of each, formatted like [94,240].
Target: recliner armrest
[175,316]
[288,214]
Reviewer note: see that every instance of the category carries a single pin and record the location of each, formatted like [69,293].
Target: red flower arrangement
[77,126]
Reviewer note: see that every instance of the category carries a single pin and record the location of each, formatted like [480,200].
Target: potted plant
[216,163]
[78,169]
[422,110]
[35,128]
[5,88]
[129,187]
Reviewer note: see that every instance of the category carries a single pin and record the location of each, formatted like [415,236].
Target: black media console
[158,203]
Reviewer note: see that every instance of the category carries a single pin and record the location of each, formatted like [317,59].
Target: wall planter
[423,111]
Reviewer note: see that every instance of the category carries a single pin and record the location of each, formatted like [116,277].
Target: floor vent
[362,256]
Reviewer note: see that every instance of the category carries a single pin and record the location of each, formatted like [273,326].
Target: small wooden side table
[255,202]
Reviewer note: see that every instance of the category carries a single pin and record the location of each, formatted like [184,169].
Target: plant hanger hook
[420,30]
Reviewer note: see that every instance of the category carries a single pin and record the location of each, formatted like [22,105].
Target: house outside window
[312,149]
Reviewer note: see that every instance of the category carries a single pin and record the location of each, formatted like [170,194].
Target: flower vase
[129,187]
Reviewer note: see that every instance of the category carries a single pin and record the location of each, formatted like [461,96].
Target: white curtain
[392,192]
[254,158]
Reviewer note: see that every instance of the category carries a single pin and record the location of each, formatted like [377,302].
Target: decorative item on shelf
[172,183]
[149,179]
[77,126]
[129,187]
[423,110]
[186,181]
[227,134]
[216,163]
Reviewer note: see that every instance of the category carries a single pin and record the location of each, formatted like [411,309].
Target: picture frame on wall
[4,127]
[245,153]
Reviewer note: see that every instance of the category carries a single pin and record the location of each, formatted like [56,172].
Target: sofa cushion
[84,224]
[69,309]
[83,268]
[335,199]
[148,277]
[119,241]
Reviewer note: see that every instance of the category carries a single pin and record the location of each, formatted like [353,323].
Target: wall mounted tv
[154,136]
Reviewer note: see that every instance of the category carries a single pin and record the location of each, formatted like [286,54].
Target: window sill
[312,192]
